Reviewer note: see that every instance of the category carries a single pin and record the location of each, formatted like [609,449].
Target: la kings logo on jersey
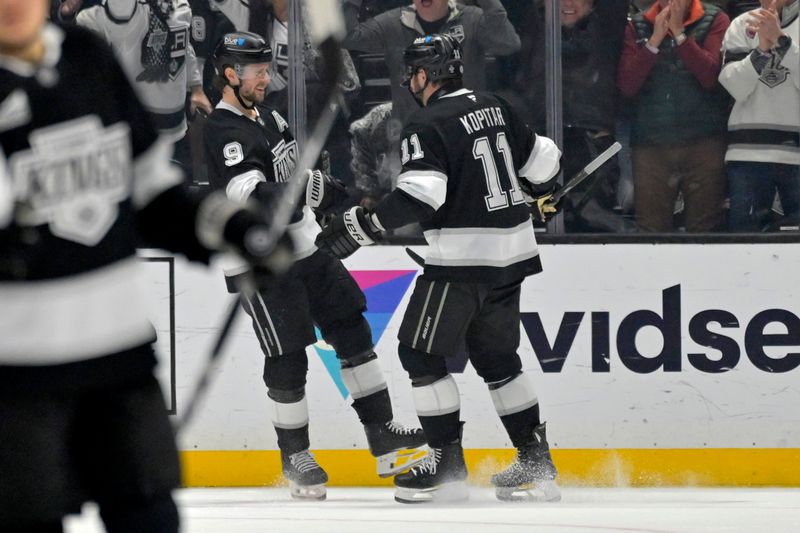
[284,156]
[163,50]
[774,75]
[73,178]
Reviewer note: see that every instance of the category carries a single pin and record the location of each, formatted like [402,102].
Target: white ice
[582,510]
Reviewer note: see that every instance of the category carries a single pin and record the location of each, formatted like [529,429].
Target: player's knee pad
[349,336]
[434,390]
[513,394]
[288,408]
[156,514]
[362,374]
[287,371]
[494,368]
[420,365]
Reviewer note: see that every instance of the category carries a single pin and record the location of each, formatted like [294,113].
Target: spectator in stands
[762,72]
[151,41]
[592,33]
[64,11]
[209,24]
[480,30]
[670,63]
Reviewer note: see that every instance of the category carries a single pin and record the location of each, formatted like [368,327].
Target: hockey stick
[415,257]
[326,29]
[587,171]
[202,384]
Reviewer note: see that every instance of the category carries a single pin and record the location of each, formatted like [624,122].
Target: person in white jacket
[762,72]
[151,41]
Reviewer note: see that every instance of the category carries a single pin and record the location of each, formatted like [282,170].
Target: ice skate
[531,477]
[396,448]
[441,477]
[306,478]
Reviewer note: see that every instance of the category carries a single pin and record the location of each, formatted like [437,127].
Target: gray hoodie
[480,30]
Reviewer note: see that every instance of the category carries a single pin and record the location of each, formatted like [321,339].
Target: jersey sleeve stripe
[543,161]
[241,186]
[153,173]
[427,186]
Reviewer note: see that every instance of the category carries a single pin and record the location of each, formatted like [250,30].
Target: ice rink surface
[581,510]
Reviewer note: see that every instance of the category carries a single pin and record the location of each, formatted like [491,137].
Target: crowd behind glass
[703,96]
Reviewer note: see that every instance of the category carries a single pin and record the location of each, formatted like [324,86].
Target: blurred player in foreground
[84,179]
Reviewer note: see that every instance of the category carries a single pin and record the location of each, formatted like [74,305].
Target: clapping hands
[669,21]
[767,25]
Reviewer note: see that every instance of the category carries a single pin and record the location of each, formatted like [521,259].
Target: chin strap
[242,100]
[417,96]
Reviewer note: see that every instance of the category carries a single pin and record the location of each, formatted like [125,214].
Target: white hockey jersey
[156,54]
[764,125]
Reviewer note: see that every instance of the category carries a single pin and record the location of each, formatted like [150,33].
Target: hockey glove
[345,234]
[323,191]
[539,202]
[222,223]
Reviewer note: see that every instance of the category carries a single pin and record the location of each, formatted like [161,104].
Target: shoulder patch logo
[15,110]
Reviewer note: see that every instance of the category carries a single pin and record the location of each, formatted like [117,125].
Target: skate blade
[452,492]
[307,492]
[542,491]
[393,463]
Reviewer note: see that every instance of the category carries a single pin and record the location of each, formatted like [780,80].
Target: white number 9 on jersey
[233,154]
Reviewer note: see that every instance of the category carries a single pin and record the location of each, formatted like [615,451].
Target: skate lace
[303,461]
[428,466]
[399,429]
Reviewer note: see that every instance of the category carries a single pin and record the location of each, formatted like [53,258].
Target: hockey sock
[289,415]
[516,403]
[363,377]
[441,430]
[375,408]
[438,407]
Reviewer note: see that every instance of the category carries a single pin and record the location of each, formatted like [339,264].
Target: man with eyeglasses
[251,155]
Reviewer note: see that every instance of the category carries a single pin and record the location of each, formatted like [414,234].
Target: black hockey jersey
[462,155]
[255,158]
[85,179]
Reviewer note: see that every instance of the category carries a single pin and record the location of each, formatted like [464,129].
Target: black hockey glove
[539,201]
[222,223]
[345,234]
[323,191]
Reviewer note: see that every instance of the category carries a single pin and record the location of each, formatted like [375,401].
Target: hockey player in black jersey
[468,161]
[84,178]
[251,154]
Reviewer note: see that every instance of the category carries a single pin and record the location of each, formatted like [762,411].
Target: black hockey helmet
[238,49]
[438,54]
